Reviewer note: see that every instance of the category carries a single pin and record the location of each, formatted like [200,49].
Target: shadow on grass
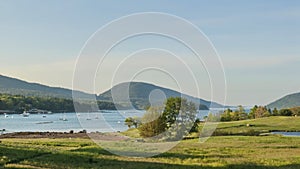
[192,156]
[97,158]
[93,150]
[243,126]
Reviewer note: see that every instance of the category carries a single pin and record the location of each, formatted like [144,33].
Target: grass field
[261,125]
[218,152]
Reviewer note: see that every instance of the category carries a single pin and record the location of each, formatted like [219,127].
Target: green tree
[296,111]
[177,117]
[285,112]
[226,116]
[152,123]
[195,127]
[252,112]
[132,122]
[275,112]
[242,115]
[262,111]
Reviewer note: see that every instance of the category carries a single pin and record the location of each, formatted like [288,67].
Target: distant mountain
[15,86]
[138,92]
[139,95]
[289,101]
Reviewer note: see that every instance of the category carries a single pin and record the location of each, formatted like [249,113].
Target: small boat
[25,114]
[44,116]
[5,115]
[119,122]
[63,118]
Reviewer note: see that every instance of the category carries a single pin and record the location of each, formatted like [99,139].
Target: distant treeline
[255,112]
[19,103]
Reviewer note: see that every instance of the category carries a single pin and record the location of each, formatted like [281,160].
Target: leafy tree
[259,112]
[171,111]
[285,112]
[275,112]
[177,117]
[262,111]
[296,111]
[229,115]
[132,121]
[226,116]
[152,123]
[195,127]
[252,112]
[129,122]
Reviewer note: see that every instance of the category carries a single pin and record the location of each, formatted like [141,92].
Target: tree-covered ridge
[139,93]
[289,101]
[19,103]
[15,86]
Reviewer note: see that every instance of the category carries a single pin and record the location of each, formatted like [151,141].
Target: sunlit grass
[217,152]
[222,151]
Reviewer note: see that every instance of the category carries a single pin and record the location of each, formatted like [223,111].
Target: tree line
[255,112]
[20,103]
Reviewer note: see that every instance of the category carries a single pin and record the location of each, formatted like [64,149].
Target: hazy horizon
[257,41]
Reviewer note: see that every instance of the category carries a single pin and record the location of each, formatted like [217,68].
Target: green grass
[262,125]
[257,126]
[218,152]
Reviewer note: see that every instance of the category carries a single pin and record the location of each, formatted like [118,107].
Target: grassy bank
[253,127]
[218,152]
[258,126]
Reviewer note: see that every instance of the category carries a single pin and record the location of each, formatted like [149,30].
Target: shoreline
[37,135]
[109,136]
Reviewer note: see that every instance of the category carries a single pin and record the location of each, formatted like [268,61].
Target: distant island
[19,95]
[289,101]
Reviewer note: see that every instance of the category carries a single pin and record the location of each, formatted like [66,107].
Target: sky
[258,41]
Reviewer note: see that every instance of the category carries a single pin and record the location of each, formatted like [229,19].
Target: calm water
[294,134]
[107,121]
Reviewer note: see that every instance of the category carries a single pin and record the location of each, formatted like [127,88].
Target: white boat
[97,117]
[63,118]
[5,115]
[25,114]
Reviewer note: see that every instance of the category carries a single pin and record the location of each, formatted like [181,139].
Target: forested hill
[15,86]
[139,94]
[138,91]
[289,101]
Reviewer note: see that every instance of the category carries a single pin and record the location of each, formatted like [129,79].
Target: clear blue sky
[258,41]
